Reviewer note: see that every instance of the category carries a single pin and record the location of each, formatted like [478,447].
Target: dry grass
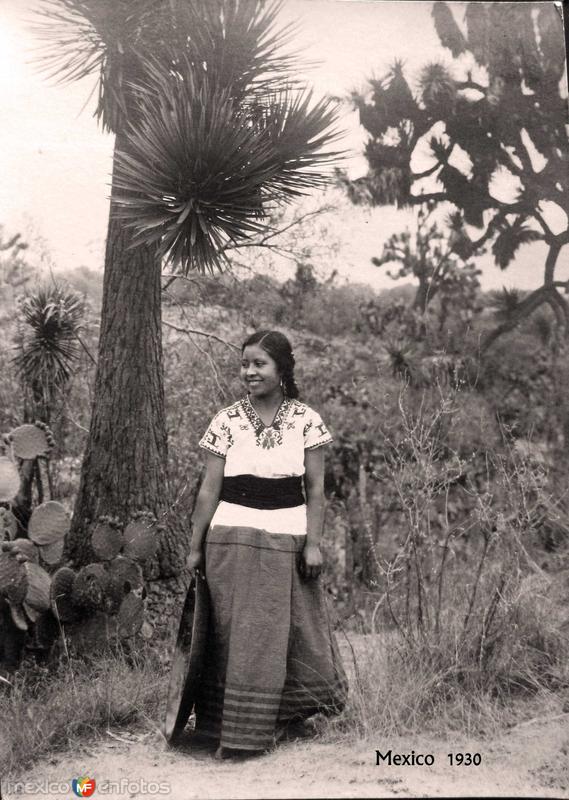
[402,684]
[48,710]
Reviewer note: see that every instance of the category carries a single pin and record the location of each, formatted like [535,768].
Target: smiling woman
[272,661]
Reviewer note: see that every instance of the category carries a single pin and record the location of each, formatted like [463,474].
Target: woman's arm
[206,503]
[314,486]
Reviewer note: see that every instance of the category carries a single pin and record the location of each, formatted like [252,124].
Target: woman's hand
[196,561]
[311,561]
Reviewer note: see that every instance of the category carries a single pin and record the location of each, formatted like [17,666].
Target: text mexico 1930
[413,759]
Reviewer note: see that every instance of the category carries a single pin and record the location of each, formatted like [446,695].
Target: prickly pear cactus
[49,523]
[8,525]
[31,441]
[141,537]
[106,538]
[30,540]
[102,603]
[9,480]
[61,595]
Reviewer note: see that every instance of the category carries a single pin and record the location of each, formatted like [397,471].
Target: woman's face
[259,371]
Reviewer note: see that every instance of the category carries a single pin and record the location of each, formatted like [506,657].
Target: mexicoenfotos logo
[83,787]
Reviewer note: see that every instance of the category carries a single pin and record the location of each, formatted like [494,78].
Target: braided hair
[278,347]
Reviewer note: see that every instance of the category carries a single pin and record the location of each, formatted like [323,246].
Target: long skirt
[271,657]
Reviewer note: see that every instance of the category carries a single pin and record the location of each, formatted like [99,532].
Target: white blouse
[250,447]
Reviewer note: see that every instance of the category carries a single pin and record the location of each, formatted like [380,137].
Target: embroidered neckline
[257,422]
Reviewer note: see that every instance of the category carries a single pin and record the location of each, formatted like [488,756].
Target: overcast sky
[55,163]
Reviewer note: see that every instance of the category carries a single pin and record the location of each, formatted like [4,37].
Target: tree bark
[124,467]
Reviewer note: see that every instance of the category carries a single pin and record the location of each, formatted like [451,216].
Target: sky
[55,162]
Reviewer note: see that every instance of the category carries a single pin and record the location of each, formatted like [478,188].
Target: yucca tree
[210,132]
[49,320]
[500,111]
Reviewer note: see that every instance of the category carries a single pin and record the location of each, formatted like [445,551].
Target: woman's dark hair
[278,347]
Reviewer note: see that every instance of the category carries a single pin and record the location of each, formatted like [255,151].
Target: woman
[271,658]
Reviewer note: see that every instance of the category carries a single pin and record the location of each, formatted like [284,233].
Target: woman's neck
[268,402]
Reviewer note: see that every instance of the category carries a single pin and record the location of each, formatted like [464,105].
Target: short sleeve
[217,438]
[316,433]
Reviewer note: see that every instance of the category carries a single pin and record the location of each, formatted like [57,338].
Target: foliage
[487,119]
[441,272]
[48,344]
[412,463]
[217,130]
[201,170]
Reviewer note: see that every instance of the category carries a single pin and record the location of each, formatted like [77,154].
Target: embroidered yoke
[250,447]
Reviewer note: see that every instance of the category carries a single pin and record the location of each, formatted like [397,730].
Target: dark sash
[269,493]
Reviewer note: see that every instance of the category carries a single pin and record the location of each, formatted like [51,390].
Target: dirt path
[531,760]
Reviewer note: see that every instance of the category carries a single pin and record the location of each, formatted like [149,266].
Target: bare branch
[194,331]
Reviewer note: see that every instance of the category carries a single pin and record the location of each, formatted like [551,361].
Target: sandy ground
[531,760]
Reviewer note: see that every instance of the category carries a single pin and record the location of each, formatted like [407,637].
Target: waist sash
[266,493]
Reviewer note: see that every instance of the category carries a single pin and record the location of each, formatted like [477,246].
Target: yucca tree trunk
[125,462]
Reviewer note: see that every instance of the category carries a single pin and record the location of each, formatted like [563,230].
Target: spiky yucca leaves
[505,302]
[48,344]
[101,37]
[438,88]
[202,171]
[238,41]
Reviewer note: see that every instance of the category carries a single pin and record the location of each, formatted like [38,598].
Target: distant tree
[209,135]
[440,272]
[500,113]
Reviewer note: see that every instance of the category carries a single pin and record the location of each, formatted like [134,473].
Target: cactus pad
[131,615]
[106,541]
[49,523]
[26,547]
[140,539]
[89,587]
[125,575]
[18,616]
[39,585]
[8,524]
[61,594]
[31,613]
[9,480]
[52,553]
[29,441]
[13,579]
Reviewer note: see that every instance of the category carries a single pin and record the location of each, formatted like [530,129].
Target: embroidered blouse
[250,447]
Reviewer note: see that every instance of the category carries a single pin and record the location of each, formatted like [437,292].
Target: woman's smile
[259,371]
